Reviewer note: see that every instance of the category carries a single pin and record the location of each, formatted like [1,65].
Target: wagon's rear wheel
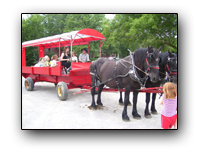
[29,84]
[62,91]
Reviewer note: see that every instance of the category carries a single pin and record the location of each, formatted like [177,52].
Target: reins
[136,67]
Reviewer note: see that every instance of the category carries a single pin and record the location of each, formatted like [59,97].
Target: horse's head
[152,63]
[171,66]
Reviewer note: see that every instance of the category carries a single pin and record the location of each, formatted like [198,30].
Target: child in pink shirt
[169,102]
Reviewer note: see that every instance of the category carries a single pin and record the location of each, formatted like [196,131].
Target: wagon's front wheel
[62,91]
[29,84]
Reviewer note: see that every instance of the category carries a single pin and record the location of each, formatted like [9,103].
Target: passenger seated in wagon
[53,62]
[40,62]
[65,59]
[74,58]
[46,61]
[84,57]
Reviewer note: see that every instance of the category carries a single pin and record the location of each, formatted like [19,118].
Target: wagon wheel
[62,91]
[29,84]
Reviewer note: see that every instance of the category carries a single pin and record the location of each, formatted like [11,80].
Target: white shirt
[74,59]
[53,63]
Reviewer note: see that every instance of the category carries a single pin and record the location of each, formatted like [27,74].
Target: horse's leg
[100,88]
[126,100]
[93,105]
[153,109]
[120,99]
[146,112]
[134,112]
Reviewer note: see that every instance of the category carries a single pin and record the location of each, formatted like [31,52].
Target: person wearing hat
[65,59]
[84,57]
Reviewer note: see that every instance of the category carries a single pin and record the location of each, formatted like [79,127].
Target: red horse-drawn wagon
[78,77]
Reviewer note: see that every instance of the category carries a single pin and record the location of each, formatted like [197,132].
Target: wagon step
[83,91]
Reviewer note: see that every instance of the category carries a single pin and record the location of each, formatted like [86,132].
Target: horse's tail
[95,69]
[93,73]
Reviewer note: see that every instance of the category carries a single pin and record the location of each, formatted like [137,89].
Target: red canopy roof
[80,37]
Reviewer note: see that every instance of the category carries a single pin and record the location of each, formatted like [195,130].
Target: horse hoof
[136,116]
[129,104]
[121,104]
[92,107]
[99,106]
[148,116]
[154,112]
[125,118]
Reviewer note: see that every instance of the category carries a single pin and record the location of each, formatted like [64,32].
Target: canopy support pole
[59,51]
[88,48]
[23,56]
[71,46]
[100,44]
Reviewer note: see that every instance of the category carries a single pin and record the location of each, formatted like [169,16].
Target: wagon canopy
[80,37]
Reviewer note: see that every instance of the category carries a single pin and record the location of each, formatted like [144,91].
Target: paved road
[41,109]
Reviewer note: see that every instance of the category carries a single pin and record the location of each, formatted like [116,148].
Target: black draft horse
[167,63]
[116,74]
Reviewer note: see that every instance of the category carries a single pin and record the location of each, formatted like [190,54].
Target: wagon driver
[84,57]
[65,59]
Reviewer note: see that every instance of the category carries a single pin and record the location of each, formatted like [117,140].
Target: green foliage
[32,56]
[33,28]
[155,30]
[115,34]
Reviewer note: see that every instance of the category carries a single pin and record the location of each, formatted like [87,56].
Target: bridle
[148,65]
[168,69]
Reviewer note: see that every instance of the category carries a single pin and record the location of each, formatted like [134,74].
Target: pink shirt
[169,107]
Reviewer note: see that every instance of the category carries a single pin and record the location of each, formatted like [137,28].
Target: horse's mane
[140,55]
[163,59]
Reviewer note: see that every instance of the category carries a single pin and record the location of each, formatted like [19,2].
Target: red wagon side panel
[80,74]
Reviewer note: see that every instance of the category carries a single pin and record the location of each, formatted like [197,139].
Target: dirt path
[41,109]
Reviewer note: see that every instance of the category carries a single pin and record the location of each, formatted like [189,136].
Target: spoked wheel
[29,84]
[62,91]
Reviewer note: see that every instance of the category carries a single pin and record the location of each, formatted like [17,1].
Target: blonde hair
[169,90]
[41,59]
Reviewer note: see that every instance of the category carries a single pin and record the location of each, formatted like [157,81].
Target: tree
[32,28]
[155,30]
[54,24]
[135,31]
[115,33]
